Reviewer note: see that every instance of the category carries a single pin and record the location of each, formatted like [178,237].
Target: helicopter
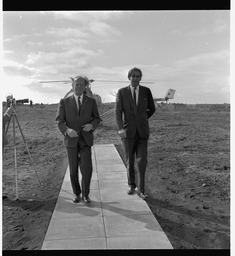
[88,90]
[89,93]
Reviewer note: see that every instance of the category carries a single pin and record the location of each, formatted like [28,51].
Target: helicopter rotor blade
[118,81]
[60,81]
[92,80]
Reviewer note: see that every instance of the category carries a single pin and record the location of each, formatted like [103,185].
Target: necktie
[79,105]
[135,96]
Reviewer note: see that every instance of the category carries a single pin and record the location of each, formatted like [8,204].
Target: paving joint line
[102,213]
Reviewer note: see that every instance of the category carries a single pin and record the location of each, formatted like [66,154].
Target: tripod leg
[14,142]
[27,149]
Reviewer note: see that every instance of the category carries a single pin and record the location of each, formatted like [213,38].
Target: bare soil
[187,180]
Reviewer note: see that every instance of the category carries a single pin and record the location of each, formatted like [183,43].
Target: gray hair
[74,80]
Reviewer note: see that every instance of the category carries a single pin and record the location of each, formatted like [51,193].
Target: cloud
[205,58]
[70,43]
[90,22]
[103,29]
[67,42]
[202,77]
[62,65]
[19,38]
[216,26]
[14,68]
[33,44]
[194,67]
[73,55]
[5,52]
[88,16]
[67,32]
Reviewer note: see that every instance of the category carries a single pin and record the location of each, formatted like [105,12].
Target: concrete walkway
[113,219]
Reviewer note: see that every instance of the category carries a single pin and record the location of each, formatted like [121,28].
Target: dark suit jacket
[130,117]
[67,117]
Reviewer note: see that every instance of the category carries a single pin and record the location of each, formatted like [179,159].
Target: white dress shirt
[76,99]
[137,93]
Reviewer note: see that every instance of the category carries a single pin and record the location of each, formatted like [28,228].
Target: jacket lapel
[73,102]
[140,97]
[84,102]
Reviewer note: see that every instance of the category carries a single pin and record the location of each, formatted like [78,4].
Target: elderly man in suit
[77,118]
[134,106]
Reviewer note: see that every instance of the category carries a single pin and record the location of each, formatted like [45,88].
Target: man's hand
[71,133]
[87,127]
[122,133]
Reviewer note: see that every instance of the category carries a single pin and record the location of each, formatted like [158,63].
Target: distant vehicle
[22,101]
[164,101]
[12,101]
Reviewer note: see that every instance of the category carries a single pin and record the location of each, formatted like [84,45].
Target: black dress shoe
[86,199]
[76,199]
[142,195]
[131,191]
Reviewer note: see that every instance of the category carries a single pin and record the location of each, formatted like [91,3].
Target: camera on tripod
[10,100]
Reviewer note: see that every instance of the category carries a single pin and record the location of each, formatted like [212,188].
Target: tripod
[15,120]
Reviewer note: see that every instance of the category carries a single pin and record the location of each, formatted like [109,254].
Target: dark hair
[132,70]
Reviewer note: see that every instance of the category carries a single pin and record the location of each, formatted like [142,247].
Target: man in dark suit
[134,106]
[77,118]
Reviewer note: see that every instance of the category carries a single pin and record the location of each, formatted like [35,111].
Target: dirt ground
[187,180]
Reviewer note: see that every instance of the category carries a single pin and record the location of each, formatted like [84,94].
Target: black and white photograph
[116,130]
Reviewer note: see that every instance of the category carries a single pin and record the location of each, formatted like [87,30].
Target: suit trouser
[136,149]
[80,156]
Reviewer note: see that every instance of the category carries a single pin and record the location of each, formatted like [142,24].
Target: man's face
[135,78]
[79,87]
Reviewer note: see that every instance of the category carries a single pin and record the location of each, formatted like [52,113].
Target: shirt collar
[132,88]
[76,97]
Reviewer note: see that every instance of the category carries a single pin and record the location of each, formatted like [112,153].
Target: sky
[185,50]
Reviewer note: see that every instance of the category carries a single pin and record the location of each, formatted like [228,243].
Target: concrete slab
[78,210]
[140,241]
[107,154]
[107,161]
[70,228]
[65,208]
[113,176]
[108,183]
[113,220]
[120,225]
[105,151]
[76,244]
[67,175]
[124,207]
[94,194]
[67,185]
[114,167]
[117,194]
